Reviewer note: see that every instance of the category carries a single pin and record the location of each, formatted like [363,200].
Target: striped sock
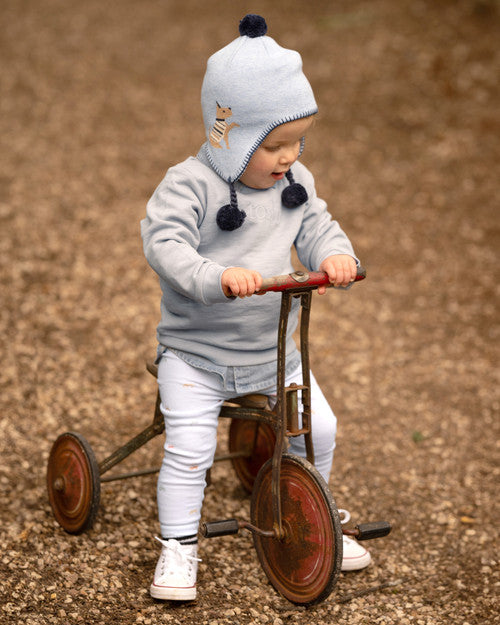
[185,540]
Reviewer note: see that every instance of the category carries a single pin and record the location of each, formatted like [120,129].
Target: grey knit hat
[251,86]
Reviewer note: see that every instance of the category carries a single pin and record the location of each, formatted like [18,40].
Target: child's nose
[287,155]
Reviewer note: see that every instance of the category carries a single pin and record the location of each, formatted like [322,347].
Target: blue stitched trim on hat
[257,143]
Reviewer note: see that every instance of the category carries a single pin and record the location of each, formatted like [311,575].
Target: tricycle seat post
[292,411]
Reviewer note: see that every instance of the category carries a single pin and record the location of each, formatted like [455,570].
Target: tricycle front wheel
[305,564]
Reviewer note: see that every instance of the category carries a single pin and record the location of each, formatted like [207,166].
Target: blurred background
[97,100]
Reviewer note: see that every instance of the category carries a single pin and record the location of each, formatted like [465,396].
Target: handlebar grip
[302,280]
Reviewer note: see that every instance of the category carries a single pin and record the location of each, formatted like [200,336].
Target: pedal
[224,527]
[377,529]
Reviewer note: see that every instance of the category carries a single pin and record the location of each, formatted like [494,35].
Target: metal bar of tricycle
[306,300]
[256,530]
[280,409]
[249,414]
[125,476]
[157,427]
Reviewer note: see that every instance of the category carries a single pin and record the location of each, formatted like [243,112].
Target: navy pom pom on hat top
[253,26]
[251,86]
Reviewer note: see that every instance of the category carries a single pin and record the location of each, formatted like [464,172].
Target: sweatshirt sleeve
[320,236]
[170,234]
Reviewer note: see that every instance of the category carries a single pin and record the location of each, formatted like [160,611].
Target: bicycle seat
[152,368]
[249,401]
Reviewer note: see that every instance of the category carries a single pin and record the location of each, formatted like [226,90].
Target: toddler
[216,224]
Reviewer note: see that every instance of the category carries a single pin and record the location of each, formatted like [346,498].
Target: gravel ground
[98,99]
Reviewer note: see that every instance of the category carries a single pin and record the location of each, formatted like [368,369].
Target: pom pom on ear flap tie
[294,195]
[253,26]
[230,217]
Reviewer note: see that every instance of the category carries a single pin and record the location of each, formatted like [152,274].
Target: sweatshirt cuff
[212,285]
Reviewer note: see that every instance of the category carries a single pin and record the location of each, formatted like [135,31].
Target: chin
[261,186]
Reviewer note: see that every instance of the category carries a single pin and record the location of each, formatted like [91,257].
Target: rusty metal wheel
[305,565]
[257,440]
[73,483]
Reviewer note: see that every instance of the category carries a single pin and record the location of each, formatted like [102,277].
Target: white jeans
[190,402]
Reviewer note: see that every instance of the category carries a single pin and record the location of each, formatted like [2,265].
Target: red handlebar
[301,280]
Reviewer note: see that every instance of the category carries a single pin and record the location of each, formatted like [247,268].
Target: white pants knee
[190,402]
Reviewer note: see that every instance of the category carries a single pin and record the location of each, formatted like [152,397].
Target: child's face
[276,154]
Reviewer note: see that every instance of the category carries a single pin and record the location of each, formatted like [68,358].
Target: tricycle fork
[286,407]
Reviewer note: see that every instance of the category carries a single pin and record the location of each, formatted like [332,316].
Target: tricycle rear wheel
[257,440]
[73,483]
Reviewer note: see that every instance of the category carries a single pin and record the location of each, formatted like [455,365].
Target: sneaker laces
[175,549]
[345,516]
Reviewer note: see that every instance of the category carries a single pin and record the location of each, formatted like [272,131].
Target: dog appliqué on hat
[220,130]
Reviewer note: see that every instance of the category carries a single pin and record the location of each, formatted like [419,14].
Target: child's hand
[341,269]
[240,282]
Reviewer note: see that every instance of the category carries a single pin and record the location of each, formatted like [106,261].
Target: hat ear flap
[230,217]
[295,194]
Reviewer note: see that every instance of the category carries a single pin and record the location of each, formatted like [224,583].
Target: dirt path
[97,100]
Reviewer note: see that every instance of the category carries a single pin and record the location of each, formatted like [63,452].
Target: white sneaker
[355,556]
[175,573]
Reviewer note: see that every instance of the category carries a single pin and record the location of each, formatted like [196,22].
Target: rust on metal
[73,482]
[256,530]
[304,561]
[306,302]
[251,444]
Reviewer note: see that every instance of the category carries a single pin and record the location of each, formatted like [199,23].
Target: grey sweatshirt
[189,252]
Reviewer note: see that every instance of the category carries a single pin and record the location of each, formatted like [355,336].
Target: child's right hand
[239,282]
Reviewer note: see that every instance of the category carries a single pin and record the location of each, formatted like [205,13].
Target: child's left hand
[341,269]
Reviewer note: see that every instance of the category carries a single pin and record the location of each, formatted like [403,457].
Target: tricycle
[296,526]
